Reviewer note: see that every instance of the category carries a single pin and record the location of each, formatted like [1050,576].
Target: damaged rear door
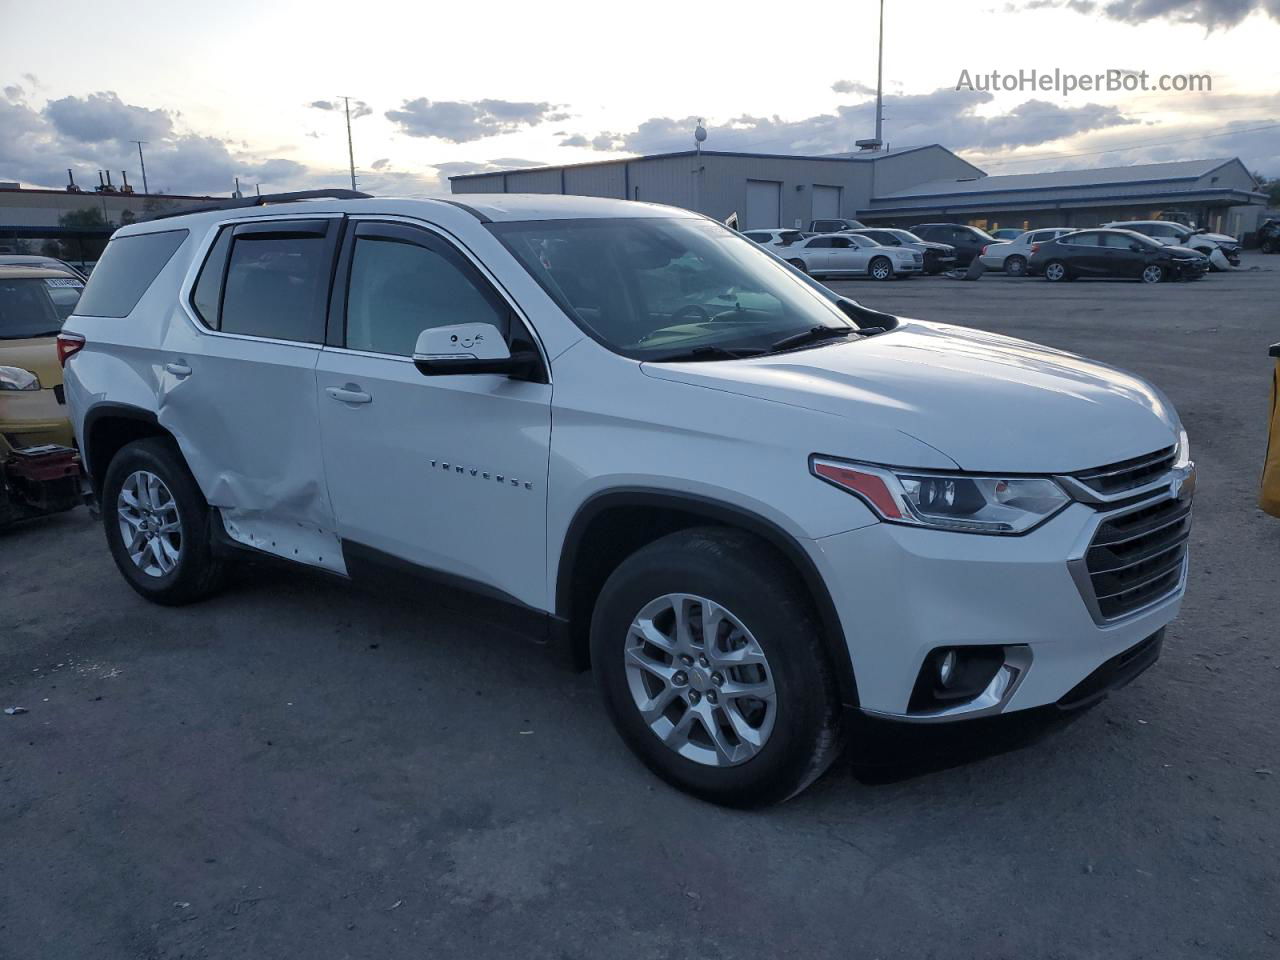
[238,386]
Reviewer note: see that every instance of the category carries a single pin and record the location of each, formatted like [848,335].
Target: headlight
[1182,452]
[15,378]
[970,504]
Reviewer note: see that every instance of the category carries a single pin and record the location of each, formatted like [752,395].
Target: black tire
[746,577]
[799,265]
[881,268]
[1015,266]
[1154,270]
[1269,246]
[1056,276]
[197,572]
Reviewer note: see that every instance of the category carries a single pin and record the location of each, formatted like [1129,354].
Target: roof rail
[236,203]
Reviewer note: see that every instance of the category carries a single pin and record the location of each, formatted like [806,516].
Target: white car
[830,254]
[752,505]
[1012,256]
[775,239]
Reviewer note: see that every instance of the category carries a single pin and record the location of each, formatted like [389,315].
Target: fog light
[947,668]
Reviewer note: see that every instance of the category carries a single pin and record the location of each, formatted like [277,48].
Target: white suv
[747,502]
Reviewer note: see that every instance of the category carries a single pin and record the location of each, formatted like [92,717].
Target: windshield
[906,236]
[28,310]
[660,289]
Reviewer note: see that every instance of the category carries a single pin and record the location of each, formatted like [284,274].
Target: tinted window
[276,285]
[208,289]
[26,309]
[820,242]
[827,225]
[841,242]
[399,289]
[791,236]
[126,269]
[65,294]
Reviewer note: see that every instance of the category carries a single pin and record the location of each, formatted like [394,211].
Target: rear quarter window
[127,268]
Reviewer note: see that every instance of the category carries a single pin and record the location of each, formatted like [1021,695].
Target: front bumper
[902,592]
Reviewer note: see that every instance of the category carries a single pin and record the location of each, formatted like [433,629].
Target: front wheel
[1269,246]
[158,524]
[1153,273]
[1055,271]
[1015,266]
[881,269]
[710,662]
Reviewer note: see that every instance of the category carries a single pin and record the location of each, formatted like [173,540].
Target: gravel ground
[297,769]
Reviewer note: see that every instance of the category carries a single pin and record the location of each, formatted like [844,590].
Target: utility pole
[351,153]
[142,163]
[880,80]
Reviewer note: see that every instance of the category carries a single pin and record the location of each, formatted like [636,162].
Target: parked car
[1269,497]
[968,241]
[1175,234]
[1012,256]
[937,256]
[851,253]
[762,504]
[1114,253]
[1007,233]
[834,225]
[774,238]
[1269,236]
[32,260]
[39,469]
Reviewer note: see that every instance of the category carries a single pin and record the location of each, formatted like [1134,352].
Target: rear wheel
[711,664]
[880,268]
[1153,273]
[799,265]
[1269,246]
[1056,271]
[1015,266]
[158,524]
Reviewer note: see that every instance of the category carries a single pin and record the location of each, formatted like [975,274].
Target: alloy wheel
[1055,271]
[881,270]
[700,680]
[150,526]
[1152,274]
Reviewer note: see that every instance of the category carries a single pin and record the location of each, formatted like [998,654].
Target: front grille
[1128,474]
[1136,558]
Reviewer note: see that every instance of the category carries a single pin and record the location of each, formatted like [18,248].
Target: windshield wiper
[705,352]
[812,335]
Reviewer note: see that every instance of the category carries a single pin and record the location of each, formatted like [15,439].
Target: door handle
[350,393]
[178,369]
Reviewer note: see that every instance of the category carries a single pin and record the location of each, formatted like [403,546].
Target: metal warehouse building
[903,186]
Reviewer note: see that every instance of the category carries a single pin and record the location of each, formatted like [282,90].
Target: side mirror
[469,348]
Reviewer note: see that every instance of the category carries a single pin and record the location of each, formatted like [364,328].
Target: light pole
[142,163]
[699,135]
[880,80]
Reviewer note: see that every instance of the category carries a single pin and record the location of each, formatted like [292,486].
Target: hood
[988,402]
[1177,251]
[39,355]
[933,245]
[1215,237]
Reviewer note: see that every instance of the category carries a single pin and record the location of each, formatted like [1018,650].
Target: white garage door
[764,199]
[826,202]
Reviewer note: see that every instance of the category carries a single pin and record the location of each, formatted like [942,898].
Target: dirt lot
[296,769]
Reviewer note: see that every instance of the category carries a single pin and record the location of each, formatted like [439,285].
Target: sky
[252,89]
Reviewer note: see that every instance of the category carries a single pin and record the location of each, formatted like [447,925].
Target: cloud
[945,116]
[852,86]
[358,107]
[100,117]
[462,121]
[575,140]
[380,164]
[1210,14]
[93,132]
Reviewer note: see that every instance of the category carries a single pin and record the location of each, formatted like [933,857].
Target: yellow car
[39,470]
[1270,498]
